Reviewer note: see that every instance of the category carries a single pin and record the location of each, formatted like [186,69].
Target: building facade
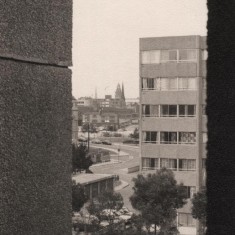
[105,119]
[172,115]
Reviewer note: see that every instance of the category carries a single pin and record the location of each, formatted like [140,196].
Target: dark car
[106,142]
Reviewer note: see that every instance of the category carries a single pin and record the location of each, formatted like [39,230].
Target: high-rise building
[172,115]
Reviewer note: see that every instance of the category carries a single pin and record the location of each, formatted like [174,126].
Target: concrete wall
[35,117]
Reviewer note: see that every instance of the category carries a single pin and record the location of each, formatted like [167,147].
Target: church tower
[118,93]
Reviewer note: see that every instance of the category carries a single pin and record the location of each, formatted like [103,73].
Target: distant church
[120,95]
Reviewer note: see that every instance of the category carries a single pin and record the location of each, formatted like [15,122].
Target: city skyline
[105,51]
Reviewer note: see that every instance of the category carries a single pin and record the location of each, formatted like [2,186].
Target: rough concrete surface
[35,149]
[39,31]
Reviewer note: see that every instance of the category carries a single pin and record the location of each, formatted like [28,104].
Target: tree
[135,134]
[157,197]
[78,196]
[81,160]
[199,202]
[105,204]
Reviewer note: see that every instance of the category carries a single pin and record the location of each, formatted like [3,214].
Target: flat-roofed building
[95,184]
[173,129]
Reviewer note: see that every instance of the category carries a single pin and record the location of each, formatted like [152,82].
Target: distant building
[109,120]
[85,102]
[173,121]
[95,184]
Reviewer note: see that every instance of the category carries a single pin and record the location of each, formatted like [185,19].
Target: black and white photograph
[113,117]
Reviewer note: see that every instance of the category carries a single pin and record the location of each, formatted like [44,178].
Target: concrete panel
[38,31]
[188,178]
[150,150]
[35,149]
[171,69]
[180,151]
[183,42]
[169,124]
[169,97]
[169,150]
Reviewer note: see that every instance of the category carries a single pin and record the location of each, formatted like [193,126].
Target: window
[150,137]
[186,220]
[187,137]
[203,109]
[168,163]
[187,83]
[150,163]
[204,54]
[168,84]
[189,191]
[150,83]
[168,55]
[168,138]
[150,110]
[187,164]
[204,137]
[102,186]
[187,55]
[187,110]
[150,57]
[168,110]
[94,187]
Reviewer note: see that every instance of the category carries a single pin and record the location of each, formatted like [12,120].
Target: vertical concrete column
[35,117]
[220,106]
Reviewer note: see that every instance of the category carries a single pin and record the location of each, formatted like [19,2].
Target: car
[96,141]
[107,142]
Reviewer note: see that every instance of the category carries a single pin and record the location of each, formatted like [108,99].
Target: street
[120,169]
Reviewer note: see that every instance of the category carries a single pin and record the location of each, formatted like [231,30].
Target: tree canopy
[157,197]
[81,160]
[78,196]
[199,202]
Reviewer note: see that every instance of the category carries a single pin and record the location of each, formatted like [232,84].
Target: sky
[106,39]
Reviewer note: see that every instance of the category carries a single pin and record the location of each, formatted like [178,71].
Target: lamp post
[118,152]
[88,139]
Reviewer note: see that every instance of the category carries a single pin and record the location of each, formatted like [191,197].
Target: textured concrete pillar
[221,118]
[35,117]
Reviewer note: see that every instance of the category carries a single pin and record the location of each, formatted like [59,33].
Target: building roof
[91,178]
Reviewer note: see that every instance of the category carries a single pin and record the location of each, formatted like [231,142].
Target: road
[120,169]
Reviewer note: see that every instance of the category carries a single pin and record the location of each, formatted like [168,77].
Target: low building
[95,184]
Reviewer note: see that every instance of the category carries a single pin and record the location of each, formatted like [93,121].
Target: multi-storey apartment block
[172,116]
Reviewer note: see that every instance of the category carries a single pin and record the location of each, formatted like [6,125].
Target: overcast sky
[106,39]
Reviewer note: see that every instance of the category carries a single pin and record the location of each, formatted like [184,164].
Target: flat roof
[85,178]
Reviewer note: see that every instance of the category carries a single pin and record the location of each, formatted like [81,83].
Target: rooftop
[90,178]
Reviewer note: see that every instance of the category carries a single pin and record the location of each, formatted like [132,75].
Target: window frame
[186,142]
[145,133]
[168,137]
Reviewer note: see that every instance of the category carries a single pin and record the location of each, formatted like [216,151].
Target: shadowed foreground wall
[35,119]
[221,118]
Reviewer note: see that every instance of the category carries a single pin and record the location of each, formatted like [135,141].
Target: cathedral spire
[123,92]
[118,93]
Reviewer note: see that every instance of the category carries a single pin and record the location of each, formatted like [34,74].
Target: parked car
[106,142]
[96,141]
